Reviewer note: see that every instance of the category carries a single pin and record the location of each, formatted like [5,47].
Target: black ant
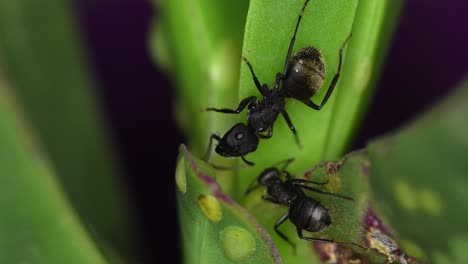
[304,212]
[302,77]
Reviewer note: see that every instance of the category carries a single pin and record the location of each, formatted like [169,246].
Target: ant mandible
[302,77]
[304,212]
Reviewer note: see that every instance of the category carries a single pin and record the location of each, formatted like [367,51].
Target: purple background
[428,56]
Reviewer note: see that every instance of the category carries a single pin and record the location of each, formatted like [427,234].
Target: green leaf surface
[41,57]
[373,27]
[419,180]
[37,224]
[214,228]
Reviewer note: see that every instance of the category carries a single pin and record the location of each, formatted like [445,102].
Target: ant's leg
[292,128]
[239,109]
[293,39]
[279,77]
[287,175]
[324,240]
[307,181]
[252,186]
[207,155]
[332,167]
[283,236]
[286,162]
[333,83]
[247,162]
[322,192]
[261,89]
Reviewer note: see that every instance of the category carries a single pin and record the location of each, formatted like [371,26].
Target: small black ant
[302,77]
[304,212]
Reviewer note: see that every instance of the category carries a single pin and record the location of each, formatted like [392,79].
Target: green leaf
[419,180]
[215,228]
[41,56]
[373,27]
[325,25]
[204,39]
[36,222]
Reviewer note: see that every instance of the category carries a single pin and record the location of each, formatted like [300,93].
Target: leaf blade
[37,223]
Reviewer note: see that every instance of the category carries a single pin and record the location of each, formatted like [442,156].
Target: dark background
[428,57]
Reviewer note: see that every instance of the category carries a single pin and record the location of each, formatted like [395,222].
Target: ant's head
[238,141]
[269,176]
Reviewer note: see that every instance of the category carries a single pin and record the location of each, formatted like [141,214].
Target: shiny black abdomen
[305,75]
[308,214]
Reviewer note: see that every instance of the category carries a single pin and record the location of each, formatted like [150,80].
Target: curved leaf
[36,222]
[214,228]
[419,180]
[42,57]
[205,40]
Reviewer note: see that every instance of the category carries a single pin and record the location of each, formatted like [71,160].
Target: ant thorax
[284,193]
[262,115]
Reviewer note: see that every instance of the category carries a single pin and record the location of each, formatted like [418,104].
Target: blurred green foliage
[42,60]
[37,223]
[419,179]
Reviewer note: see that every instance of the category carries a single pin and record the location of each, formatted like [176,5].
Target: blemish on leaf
[210,207]
[366,168]
[405,195]
[335,183]
[413,249]
[238,243]
[430,202]
[371,220]
[180,178]
[333,254]
[385,245]
[328,252]
[333,168]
